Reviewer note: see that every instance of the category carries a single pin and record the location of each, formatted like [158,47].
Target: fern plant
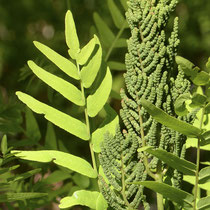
[95,82]
[152,142]
[198,135]
[151,74]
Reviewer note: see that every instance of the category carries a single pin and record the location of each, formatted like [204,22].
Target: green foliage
[119,161]
[173,161]
[109,124]
[93,76]
[60,158]
[149,148]
[63,63]
[32,128]
[86,51]
[90,70]
[72,40]
[10,115]
[117,17]
[178,196]
[9,180]
[200,177]
[4,145]
[96,101]
[204,203]
[55,116]
[82,197]
[10,197]
[171,122]
[150,75]
[108,38]
[204,175]
[197,76]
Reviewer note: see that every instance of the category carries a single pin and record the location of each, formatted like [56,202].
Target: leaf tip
[36,43]
[68,13]
[14,152]
[30,63]
[18,93]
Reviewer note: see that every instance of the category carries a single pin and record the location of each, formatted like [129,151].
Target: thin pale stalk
[197,164]
[88,125]
[159,178]
[146,162]
[160,202]
[123,185]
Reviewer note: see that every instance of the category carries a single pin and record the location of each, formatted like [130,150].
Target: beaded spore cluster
[151,74]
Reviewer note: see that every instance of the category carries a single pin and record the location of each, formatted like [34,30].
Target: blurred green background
[23,21]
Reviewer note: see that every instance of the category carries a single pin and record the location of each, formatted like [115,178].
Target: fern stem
[196,174]
[160,202]
[146,162]
[93,156]
[142,129]
[123,185]
[115,40]
[88,125]
[198,163]
[159,178]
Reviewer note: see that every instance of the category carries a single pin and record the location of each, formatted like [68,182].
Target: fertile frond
[151,75]
[121,166]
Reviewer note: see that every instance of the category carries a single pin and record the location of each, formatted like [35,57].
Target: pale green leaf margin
[86,51]
[96,101]
[160,116]
[72,40]
[90,70]
[63,63]
[60,158]
[62,120]
[65,88]
[81,197]
[178,196]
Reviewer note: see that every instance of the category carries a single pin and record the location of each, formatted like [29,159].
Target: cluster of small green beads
[150,74]
[179,86]
[150,67]
[148,56]
[113,200]
[173,43]
[149,63]
[119,160]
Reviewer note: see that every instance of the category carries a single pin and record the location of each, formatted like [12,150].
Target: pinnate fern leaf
[60,158]
[63,63]
[65,88]
[72,40]
[62,120]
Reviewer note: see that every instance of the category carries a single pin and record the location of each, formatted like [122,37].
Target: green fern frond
[118,159]
[151,75]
